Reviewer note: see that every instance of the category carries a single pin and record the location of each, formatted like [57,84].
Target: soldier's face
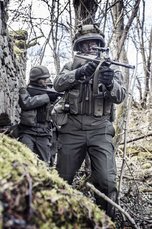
[43,82]
[87,46]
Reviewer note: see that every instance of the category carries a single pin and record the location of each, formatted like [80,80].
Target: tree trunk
[121,29]
[12,71]
[85,11]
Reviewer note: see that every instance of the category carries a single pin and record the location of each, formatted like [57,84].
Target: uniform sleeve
[66,79]
[118,92]
[27,102]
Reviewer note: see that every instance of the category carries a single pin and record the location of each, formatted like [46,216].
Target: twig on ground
[102,195]
[138,138]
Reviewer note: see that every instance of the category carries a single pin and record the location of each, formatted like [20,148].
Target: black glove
[106,75]
[85,70]
[53,96]
[22,90]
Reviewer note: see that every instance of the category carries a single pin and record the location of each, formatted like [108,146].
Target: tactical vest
[82,100]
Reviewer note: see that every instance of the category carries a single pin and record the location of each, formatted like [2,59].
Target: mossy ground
[33,196]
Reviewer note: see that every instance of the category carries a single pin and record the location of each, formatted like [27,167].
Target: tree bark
[85,11]
[12,72]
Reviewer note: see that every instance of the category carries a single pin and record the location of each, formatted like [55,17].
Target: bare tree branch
[128,25]
[102,195]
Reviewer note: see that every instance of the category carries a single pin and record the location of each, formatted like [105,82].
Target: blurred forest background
[41,31]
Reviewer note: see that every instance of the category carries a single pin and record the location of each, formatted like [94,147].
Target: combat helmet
[39,72]
[88,32]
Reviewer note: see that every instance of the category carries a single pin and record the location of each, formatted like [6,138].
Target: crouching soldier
[35,129]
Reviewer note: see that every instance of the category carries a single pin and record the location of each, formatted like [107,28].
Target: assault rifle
[102,59]
[53,95]
[105,59]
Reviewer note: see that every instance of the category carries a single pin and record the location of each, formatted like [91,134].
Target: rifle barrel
[108,61]
[122,64]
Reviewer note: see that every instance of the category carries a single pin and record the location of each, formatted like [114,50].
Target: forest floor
[135,189]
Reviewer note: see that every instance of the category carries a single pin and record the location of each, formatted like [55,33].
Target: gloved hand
[22,90]
[85,70]
[53,96]
[106,75]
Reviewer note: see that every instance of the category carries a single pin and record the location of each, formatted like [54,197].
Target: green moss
[37,195]
[19,38]
[19,34]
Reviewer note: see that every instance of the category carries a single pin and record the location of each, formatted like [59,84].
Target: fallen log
[34,196]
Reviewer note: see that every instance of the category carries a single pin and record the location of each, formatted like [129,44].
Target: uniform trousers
[40,145]
[78,137]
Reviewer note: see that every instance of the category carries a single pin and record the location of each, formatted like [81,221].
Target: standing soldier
[89,127]
[35,127]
